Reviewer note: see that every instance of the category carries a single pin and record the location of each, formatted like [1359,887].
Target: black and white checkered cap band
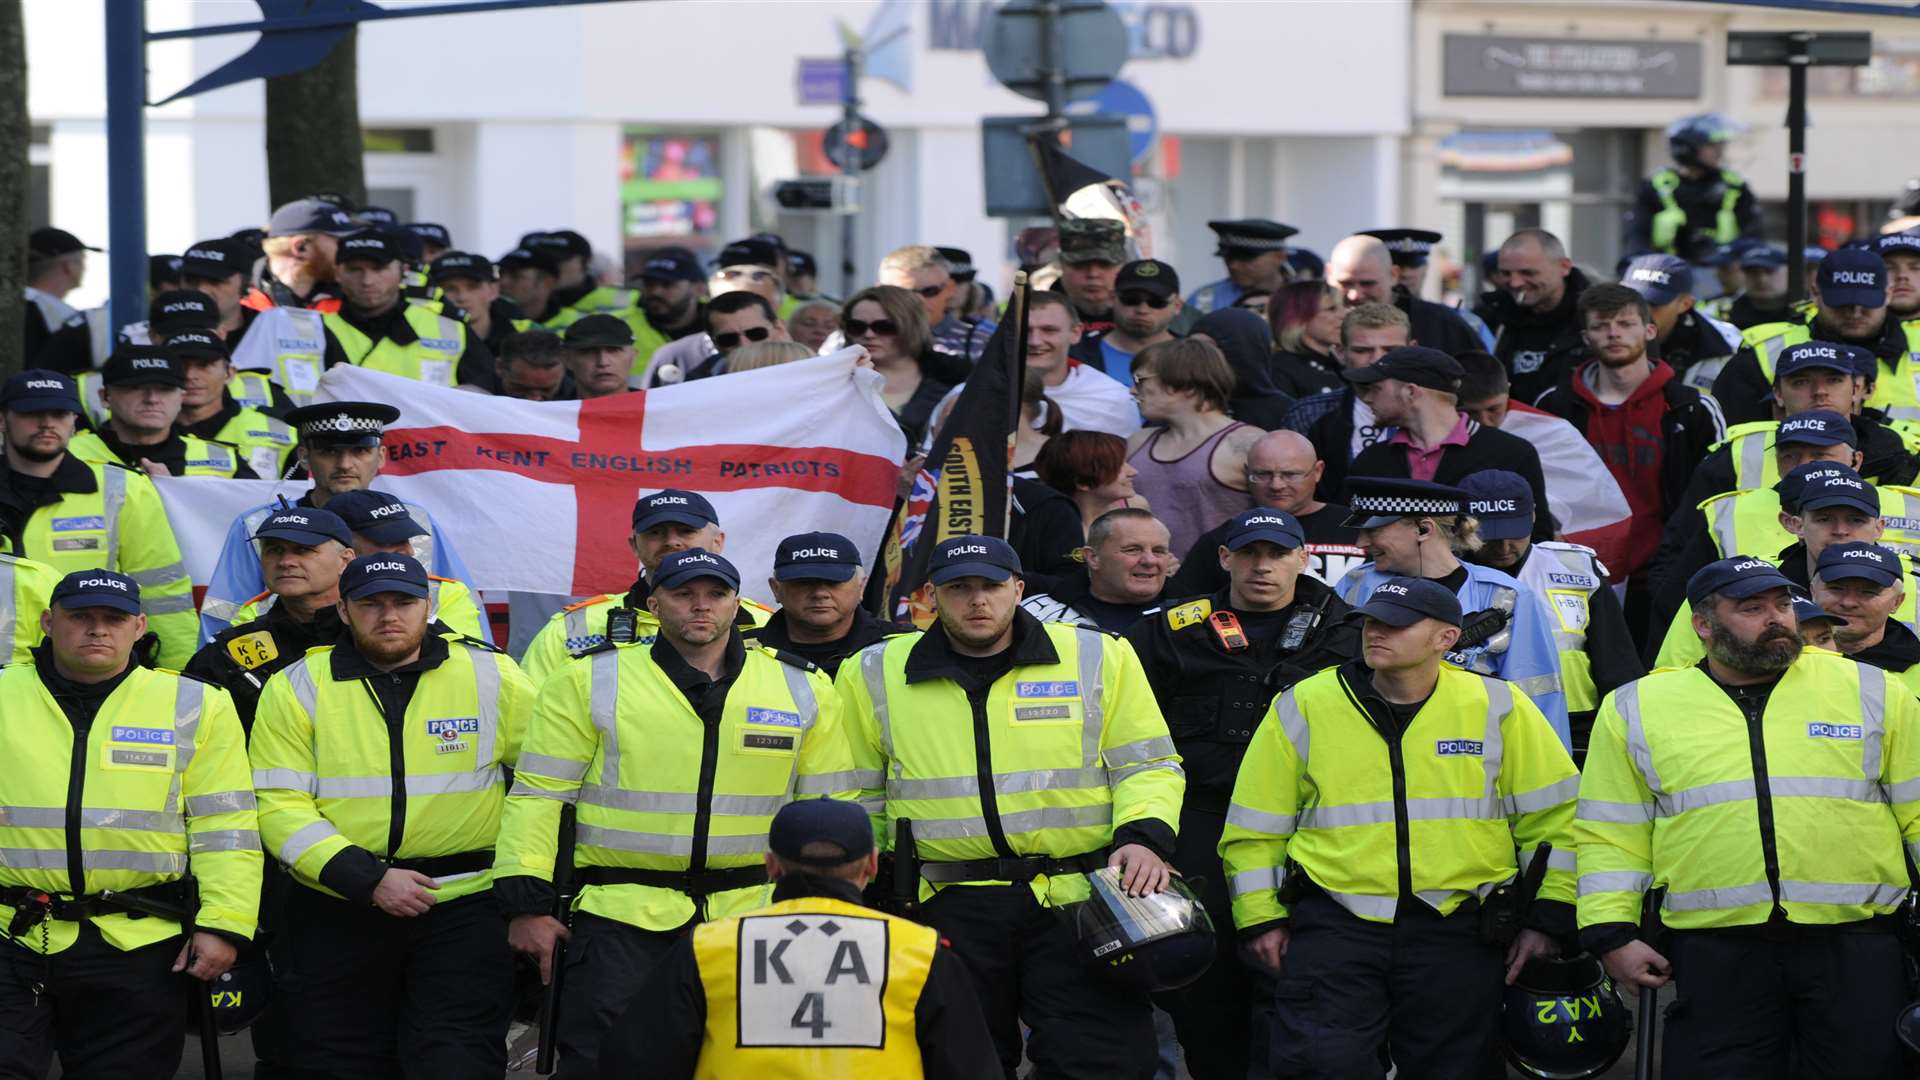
[343,424]
[1244,242]
[1405,504]
[1410,246]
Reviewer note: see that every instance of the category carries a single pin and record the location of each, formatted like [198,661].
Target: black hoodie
[1247,342]
[1539,347]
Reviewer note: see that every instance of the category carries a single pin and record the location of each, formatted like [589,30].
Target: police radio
[1226,630]
[1301,623]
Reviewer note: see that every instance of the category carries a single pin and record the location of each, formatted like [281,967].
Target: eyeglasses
[931,291]
[1136,299]
[857,328]
[731,339]
[1287,476]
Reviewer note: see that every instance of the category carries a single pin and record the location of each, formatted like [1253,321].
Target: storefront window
[670,187]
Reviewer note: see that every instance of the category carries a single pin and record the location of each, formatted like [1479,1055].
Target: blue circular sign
[1122,98]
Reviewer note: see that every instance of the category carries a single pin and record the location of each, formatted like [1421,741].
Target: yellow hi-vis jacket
[204,457]
[1076,748]
[583,625]
[448,600]
[1682,646]
[1896,392]
[433,357]
[613,735]
[266,443]
[163,791]
[1475,775]
[25,586]
[1679,784]
[1743,522]
[327,766]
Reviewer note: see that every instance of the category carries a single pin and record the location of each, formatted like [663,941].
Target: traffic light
[819,194]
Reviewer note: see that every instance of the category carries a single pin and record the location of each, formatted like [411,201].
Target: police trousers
[1026,965]
[367,996]
[110,1015]
[606,963]
[1427,988]
[1213,1015]
[1819,1006]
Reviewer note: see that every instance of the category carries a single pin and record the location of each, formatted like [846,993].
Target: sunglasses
[1135,299]
[731,339]
[930,291]
[857,328]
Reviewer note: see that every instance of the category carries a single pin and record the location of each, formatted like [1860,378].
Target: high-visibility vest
[204,457]
[1682,646]
[1672,217]
[614,735]
[1475,775]
[289,345]
[25,586]
[121,525]
[1748,522]
[1566,576]
[1075,749]
[266,442]
[1674,772]
[1750,447]
[327,769]
[1896,393]
[252,389]
[623,304]
[582,625]
[448,600]
[163,790]
[432,358]
[848,1009]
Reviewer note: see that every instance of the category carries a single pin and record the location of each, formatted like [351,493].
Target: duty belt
[1017,870]
[31,906]
[696,884]
[439,866]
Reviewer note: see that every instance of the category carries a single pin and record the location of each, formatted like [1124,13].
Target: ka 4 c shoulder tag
[1192,613]
[253,650]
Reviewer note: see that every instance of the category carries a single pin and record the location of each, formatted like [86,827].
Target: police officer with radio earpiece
[1215,664]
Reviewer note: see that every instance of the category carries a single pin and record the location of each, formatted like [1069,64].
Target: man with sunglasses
[926,272]
[1147,300]
[733,319]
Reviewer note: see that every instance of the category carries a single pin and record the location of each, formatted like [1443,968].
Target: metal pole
[126,164]
[1797,170]
[849,166]
[1053,49]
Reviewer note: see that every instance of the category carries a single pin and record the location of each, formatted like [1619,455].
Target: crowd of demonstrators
[1261,536]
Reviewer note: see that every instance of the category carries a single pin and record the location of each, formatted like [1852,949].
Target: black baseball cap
[383,573]
[1414,364]
[1264,524]
[311,216]
[305,525]
[376,515]
[40,390]
[598,332]
[1147,275]
[1403,601]
[1501,501]
[802,264]
[820,821]
[432,232]
[752,251]
[1736,579]
[1790,486]
[1816,427]
[217,259]
[1659,279]
[1832,355]
[196,345]
[377,215]
[524,257]
[97,589]
[561,243]
[1868,562]
[1374,501]
[1903,243]
[672,264]
[342,423]
[692,564]
[375,245]
[460,264]
[973,556]
[816,556]
[142,365]
[673,505]
[1822,490]
[1761,257]
[1806,611]
[48,241]
[1852,277]
[162,270]
[182,309]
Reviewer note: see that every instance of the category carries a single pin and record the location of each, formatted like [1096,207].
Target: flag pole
[1017,310]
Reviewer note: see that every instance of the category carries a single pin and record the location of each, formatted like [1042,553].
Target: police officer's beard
[1772,653]
[381,651]
[29,453]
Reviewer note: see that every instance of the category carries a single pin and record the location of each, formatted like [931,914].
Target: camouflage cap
[1085,240]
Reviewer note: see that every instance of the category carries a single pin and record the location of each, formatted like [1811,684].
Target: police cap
[1866,562]
[675,506]
[973,556]
[216,260]
[39,390]
[1659,279]
[97,589]
[1502,502]
[959,263]
[834,822]
[430,232]
[525,258]
[1374,501]
[1264,524]
[142,365]
[369,575]
[1403,601]
[376,515]
[1831,355]
[368,245]
[460,264]
[47,242]
[1816,427]
[1243,238]
[182,309]
[672,264]
[1406,247]
[196,345]
[692,564]
[342,423]
[753,251]
[308,526]
[1736,579]
[816,556]
[1852,277]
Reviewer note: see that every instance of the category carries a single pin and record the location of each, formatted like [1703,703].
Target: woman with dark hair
[1243,338]
[1040,421]
[891,324]
[1089,467]
[1305,318]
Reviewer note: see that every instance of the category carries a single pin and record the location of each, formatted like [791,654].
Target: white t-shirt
[1365,431]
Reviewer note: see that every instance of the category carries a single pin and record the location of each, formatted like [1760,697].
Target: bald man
[1282,471]
[1361,268]
[1536,315]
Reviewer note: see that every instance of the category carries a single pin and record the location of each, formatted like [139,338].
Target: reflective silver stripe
[1722,527]
[1493,749]
[1567,641]
[603,702]
[9,616]
[1612,881]
[1904,791]
[1752,460]
[1051,817]
[1294,724]
[223,610]
[381,787]
[1561,859]
[1380,908]
[1092,693]
[288,779]
[91,817]
[552,767]
[220,802]
[188,694]
[801,688]
[165,605]
[873,807]
[486,689]
[873,671]
[1381,813]
[1717,899]
[150,862]
[1823,892]
[1133,753]
[300,680]
[669,843]
[159,575]
[303,840]
[1529,802]
[1261,821]
[828,783]
[1614,813]
[575,625]
[1539,685]
[1626,702]
[680,802]
[1003,783]
[520,788]
[1694,798]
[1873,722]
[1115,777]
[113,494]
[224,840]
[1824,787]
[1253,881]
